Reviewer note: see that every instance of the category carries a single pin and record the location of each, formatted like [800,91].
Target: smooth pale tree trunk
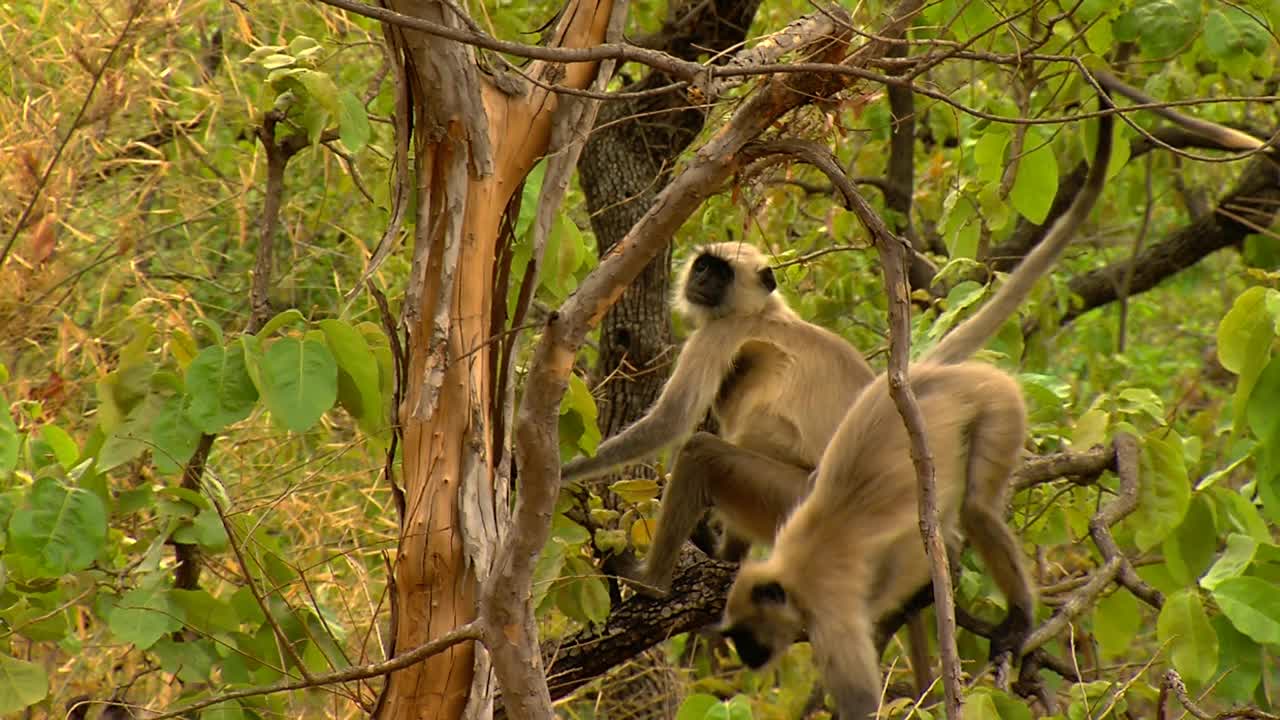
[474,144]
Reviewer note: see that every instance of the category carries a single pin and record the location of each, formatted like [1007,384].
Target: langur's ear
[768,592]
[767,279]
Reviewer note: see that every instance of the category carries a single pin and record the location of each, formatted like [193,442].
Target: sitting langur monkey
[777,386]
[851,552]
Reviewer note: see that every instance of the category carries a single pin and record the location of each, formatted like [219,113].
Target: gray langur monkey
[852,552]
[778,387]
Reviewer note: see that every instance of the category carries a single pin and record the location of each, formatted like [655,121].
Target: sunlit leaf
[299,382]
[220,388]
[62,528]
[1164,492]
[1036,183]
[1253,606]
[1184,626]
[22,684]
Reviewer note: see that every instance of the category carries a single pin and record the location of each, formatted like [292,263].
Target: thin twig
[893,254]
[1127,282]
[470,631]
[1113,512]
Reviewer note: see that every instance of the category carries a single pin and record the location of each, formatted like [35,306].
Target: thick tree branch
[1248,208]
[505,601]
[639,623]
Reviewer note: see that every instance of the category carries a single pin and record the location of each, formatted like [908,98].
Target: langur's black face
[709,281]
[759,619]
[753,652]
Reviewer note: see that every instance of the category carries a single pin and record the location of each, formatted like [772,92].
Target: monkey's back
[789,388]
[866,478]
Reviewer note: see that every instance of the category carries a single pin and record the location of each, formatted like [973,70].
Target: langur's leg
[993,452]
[752,492]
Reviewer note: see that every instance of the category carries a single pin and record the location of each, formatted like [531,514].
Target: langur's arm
[845,651]
[703,363]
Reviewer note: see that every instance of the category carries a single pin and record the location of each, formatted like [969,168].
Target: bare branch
[1172,681]
[470,631]
[1046,468]
[1115,511]
[505,598]
[894,261]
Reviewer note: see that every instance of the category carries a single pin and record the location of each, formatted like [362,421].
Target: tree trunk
[454,511]
[626,163]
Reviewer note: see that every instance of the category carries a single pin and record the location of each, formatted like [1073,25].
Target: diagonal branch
[893,257]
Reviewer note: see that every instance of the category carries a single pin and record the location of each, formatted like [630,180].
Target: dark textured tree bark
[626,163]
[624,166]
[1249,206]
[696,601]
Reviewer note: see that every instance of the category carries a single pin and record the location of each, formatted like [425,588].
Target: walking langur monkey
[777,386]
[851,552]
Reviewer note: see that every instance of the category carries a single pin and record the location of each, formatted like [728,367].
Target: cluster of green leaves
[309,95]
[65,549]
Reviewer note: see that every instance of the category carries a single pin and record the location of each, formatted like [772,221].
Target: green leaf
[1036,182]
[299,382]
[1230,32]
[1240,514]
[577,402]
[568,531]
[1164,493]
[1116,620]
[584,596]
[1140,401]
[739,708]
[1239,663]
[10,441]
[979,706]
[1264,398]
[1253,606]
[190,661]
[203,612]
[59,441]
[291,316]
[696,706]
[1185,550]
[220,388]
[549,566]
[358,384]
[988,153]
[1244,343]
[129,439]
[175,436]
[1162,27]
[143,616]
[1010,708]
[277,60]
[62,528]
[353,122]
[22,684]
[1234,561]
[1184,626]
[322,89]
